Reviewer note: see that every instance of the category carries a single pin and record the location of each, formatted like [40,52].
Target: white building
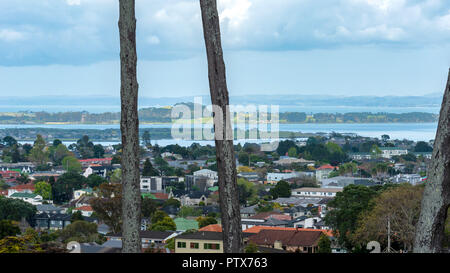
[316,192]
[207,173]
[151,184]
[31,198]
[389,152]
[78,193]
[275,177]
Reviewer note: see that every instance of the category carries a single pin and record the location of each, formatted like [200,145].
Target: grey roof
[148,234]
[249,210]
[48,208]
[95,248]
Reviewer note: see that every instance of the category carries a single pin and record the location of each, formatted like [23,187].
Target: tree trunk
[226,163]
[129,127]
[436,197]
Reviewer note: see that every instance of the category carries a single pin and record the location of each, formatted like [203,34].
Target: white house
[316,192]
[389,152]
[78,193]
[323,172]
[85,210]
[31,198]
[207,173]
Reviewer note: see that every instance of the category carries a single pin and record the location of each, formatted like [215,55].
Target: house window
[195,245]
[181,245]
[211,246]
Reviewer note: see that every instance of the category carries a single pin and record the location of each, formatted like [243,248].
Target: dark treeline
[163,115]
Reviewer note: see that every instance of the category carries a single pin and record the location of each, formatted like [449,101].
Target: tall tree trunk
[129,127]
[436,197]
[226,163]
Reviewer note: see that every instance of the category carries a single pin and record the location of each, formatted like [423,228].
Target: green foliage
[39,154]
[15,209]
[324,244]
[43,189]
[80,231]
[8,228]
[281,189]
[206,221]
[422,147]
[251,248]
[62,190]
[95,180]
[172,202]
[159,215]
[189,211]
[347,207]
[108,205]
[246,189]
[77,216]
[164,224]
[148,207]
[71,164]
[148,169]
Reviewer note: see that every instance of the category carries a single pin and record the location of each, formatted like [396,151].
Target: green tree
[324,244]
[159,215]
[292,152]
[60,153]
[98,150]
[15,209]
[164,224]
[206,221]
[95,180]
[77,216]
[281,189]
[172,202]
[146,139]
[80,231]
[43,189]
[148,207]
[8,228]
[148,169]
[62,190]
[251,248]
[71,164]
[108,205]
[39,154]
[346,209]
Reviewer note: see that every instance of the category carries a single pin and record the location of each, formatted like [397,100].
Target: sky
[338,47]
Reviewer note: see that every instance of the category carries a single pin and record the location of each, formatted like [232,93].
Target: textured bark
[436,199]
[226,163]
[129,126]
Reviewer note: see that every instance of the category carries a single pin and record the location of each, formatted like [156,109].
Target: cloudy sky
[346,47]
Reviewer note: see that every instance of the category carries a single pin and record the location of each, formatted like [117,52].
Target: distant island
[155,115]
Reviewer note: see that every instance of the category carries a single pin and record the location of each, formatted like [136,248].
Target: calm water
[412,131]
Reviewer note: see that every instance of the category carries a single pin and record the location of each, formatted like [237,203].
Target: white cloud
[9,35]
[73,2]
[153,40]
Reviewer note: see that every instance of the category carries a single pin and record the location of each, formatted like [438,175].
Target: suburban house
[199,242]
[207,173]
[9,176]
[250,176]
[413,179]
[342,181]
[78,193]
[360,156]
[85,210]
[291,160]
[148,237]
[316,192]
[97,170]
[50,209]
[31,198]
[51,221]
[389,152]
[323,171]
[101,161]
[24,188]
[291,240]
[276,177]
